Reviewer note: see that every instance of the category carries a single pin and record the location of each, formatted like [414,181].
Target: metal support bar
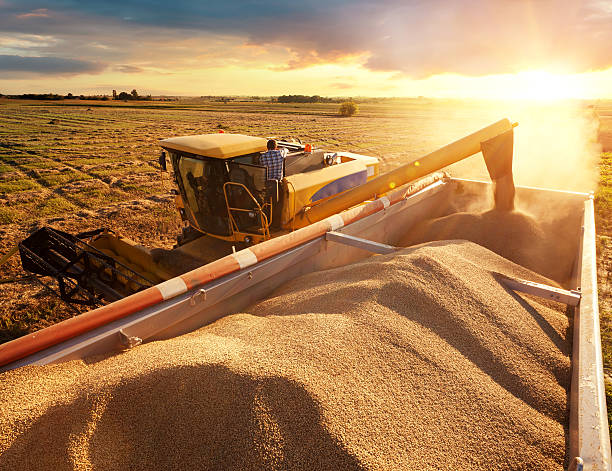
[128,341]
[369,245]
[199,294]
[571,298]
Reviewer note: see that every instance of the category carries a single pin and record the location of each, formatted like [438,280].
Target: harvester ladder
[259,209]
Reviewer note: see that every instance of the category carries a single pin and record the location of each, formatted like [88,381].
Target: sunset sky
[540,49]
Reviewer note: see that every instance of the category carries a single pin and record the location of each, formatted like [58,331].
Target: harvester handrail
[265,225]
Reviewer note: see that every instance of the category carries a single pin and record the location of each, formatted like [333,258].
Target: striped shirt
[273,159]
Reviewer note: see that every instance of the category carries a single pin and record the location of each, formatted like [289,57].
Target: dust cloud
[555,145]
[557,148]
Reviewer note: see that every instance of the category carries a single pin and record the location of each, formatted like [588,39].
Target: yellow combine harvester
[225,192]
[227,202]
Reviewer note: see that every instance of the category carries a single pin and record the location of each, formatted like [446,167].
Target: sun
[542,85]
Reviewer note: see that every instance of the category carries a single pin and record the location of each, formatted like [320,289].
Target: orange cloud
[38,13]
[342,85]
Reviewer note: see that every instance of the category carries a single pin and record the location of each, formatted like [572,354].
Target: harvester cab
[225,192]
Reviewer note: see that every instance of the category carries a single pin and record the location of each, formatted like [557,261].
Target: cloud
[47,65]
[39,12]
[24,44]
[129,69]
[78,33]
[475,37]
[342,85]
[414,38]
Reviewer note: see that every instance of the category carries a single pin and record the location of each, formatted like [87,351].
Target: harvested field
[416,360]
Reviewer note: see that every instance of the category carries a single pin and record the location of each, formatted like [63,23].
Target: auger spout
[494,140]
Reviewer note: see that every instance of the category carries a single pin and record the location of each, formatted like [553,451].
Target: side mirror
[162,161]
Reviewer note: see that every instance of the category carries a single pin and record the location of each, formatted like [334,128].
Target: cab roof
[217,146]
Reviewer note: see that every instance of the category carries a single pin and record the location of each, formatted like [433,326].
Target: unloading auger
[495,141]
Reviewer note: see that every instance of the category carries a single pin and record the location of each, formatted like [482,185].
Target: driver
[274,160]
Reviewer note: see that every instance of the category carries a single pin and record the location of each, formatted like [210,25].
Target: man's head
[271,144]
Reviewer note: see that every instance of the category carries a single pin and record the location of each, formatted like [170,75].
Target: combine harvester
[245,235]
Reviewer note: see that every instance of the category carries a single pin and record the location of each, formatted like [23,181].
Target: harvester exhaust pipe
[495,141]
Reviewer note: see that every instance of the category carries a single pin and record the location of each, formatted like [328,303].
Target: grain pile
[514,235]
[416,360]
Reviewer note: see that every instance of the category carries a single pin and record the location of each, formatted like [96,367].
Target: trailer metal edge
[589,437]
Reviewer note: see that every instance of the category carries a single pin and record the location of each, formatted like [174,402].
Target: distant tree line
[306,99]
[54,96]
[133,95]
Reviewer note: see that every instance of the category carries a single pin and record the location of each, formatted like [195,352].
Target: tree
[348,108]
[134,94]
